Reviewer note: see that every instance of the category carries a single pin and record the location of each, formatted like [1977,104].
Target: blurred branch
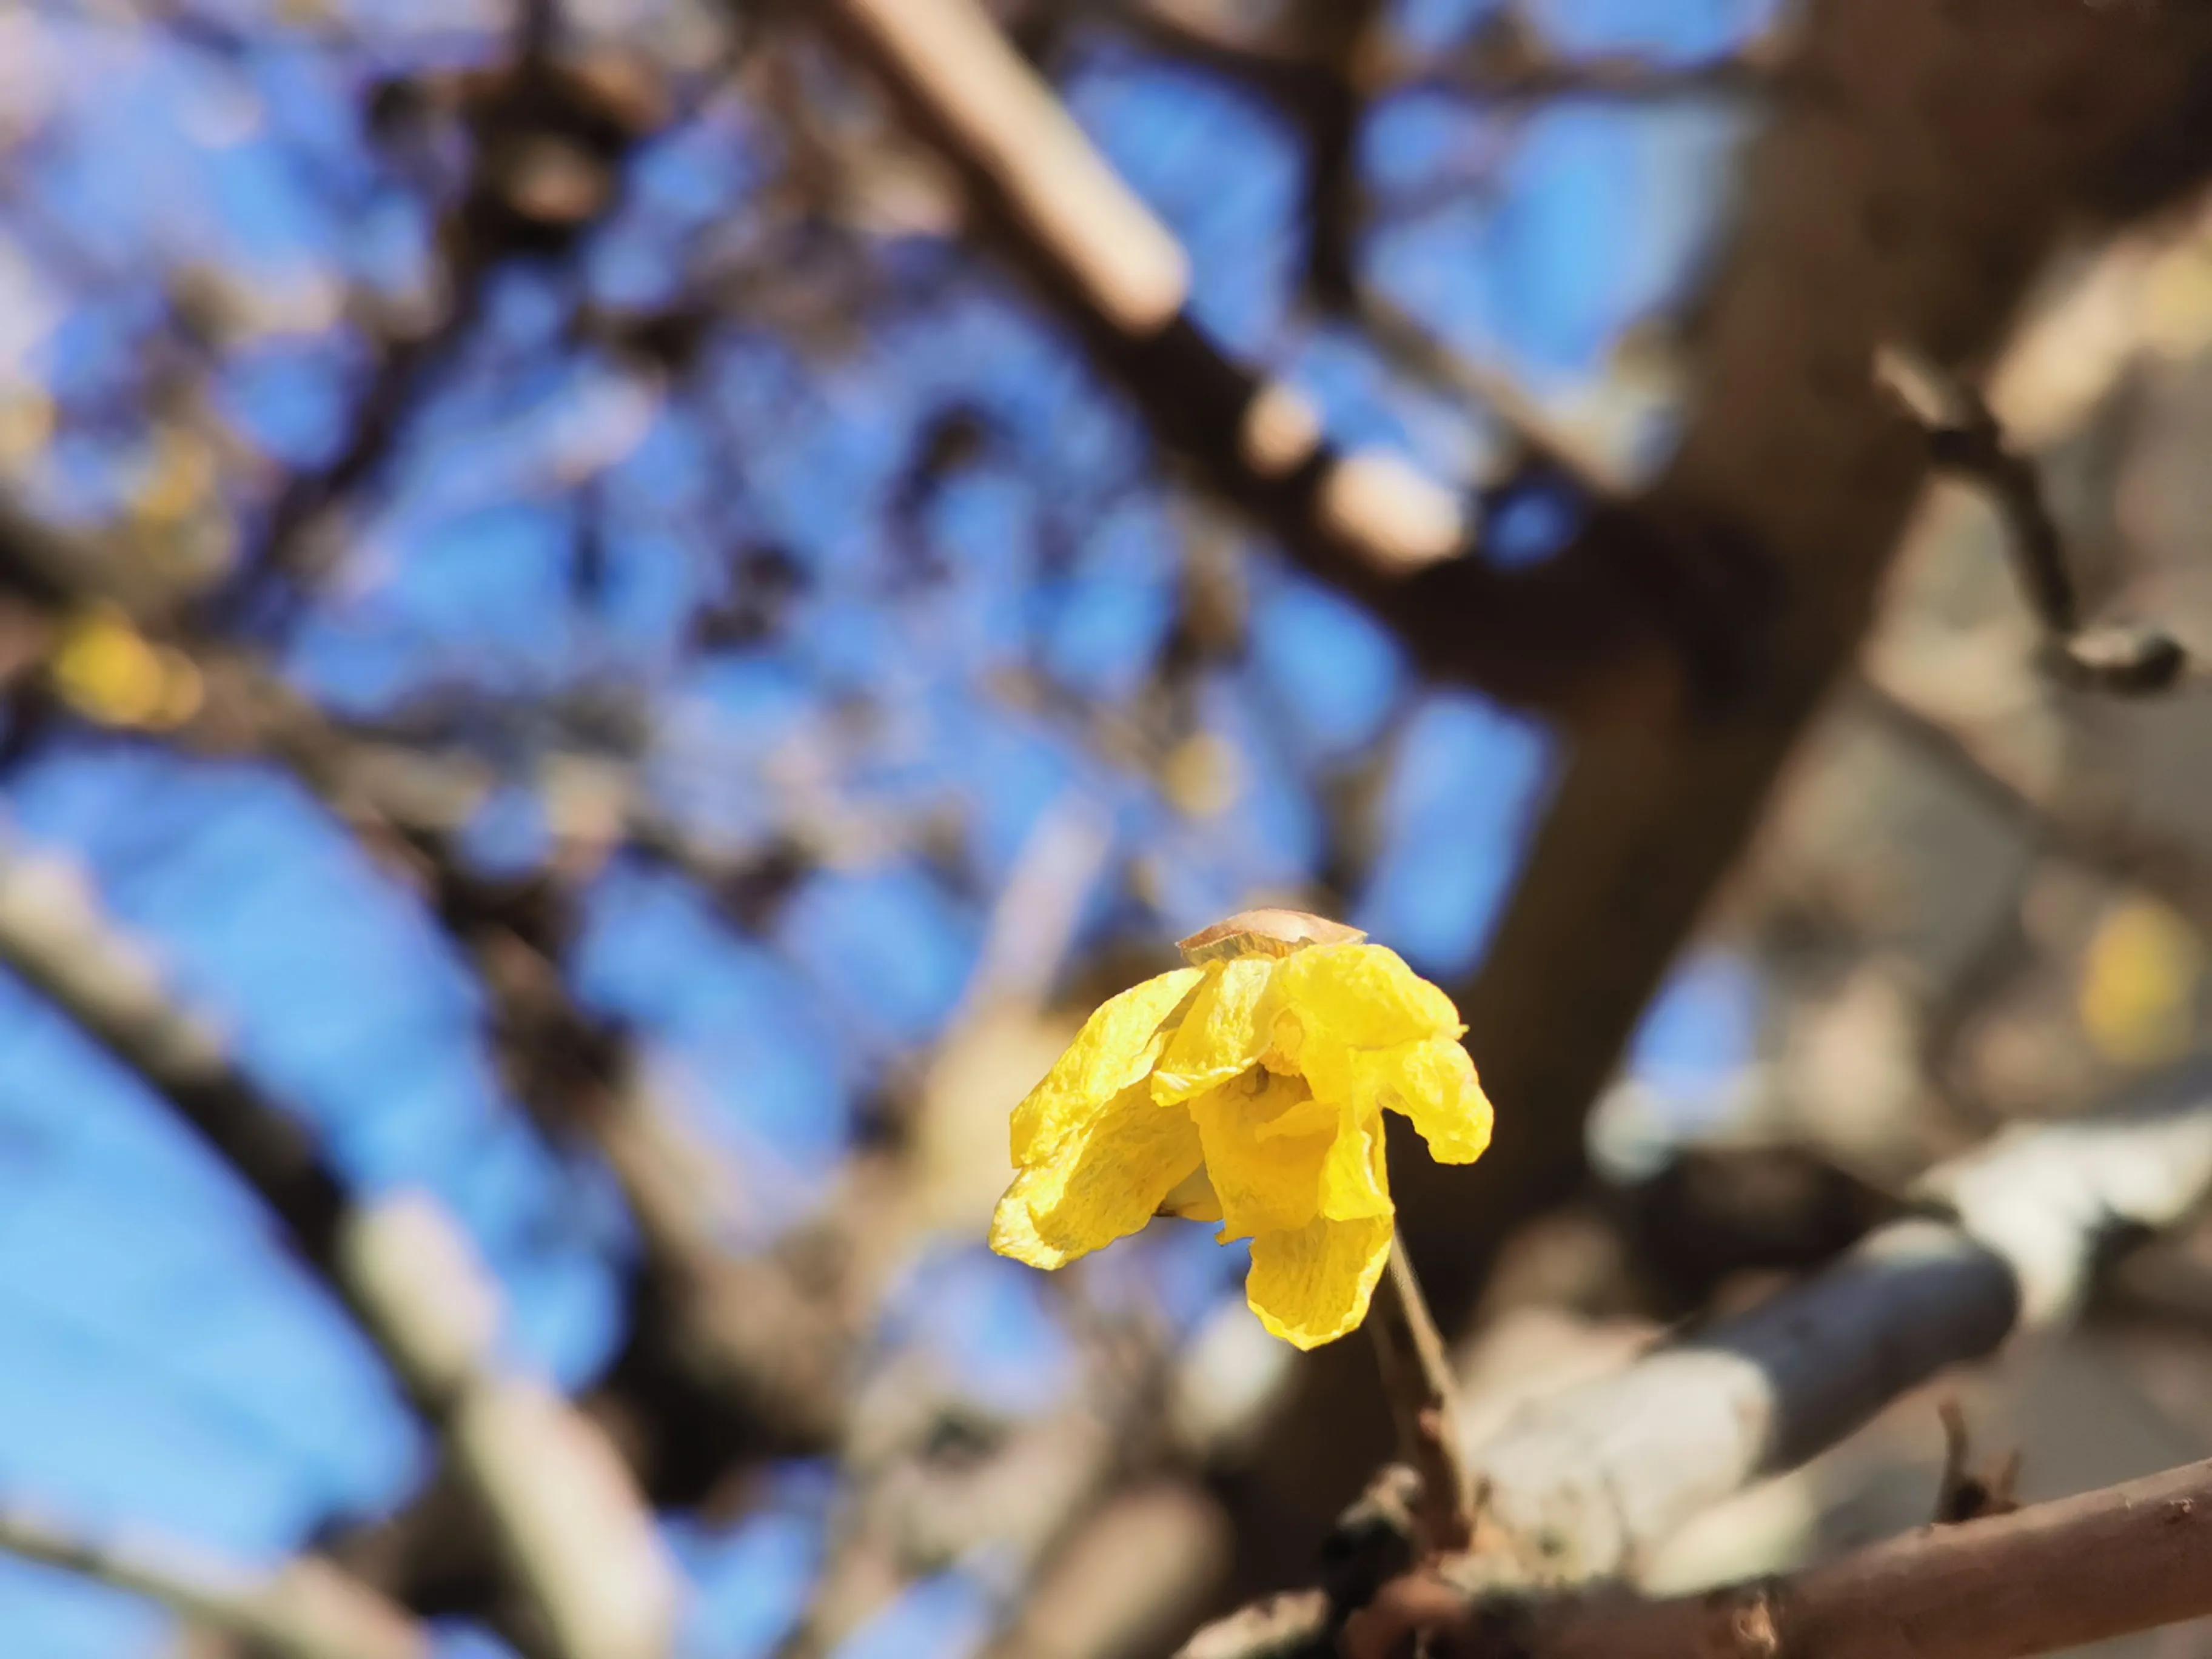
[548,136]
[1509,61]
[1559,634]
[1579,1486]
[577,1541]
[1964,438]
[1127,1582]
[2083,830]
[305,1609]
[1539,438]
[2014,1230]
[2056,1576]
[765,1352]
[1773,526]
[1322,66]
[913,1507]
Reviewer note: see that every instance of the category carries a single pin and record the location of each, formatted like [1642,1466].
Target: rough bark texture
[2084,1568]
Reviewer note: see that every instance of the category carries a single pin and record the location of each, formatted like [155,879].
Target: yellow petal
[1364,996]
[1105,1178]
[1116,1047]
[1311,1286]
[1355,1183]
[1433,1083]
[1223,1034]
[1193,1199]
[1265,1182]
[1013,1232]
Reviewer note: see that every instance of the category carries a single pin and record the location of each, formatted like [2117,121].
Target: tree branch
[2013,1233]
[1563,634]
[1964,438]
[577,1541]
[1579,1486]
[2060,1575]
[307,1609]
[756,1353]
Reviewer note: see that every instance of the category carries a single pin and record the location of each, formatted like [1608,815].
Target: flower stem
[1418,1381]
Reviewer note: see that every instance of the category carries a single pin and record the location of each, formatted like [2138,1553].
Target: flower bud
[1268,931]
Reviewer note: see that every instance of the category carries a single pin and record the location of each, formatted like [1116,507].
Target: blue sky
[162,1363]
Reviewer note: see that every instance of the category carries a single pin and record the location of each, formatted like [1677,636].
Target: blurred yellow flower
[2140,981]
[109,672]
[1248,1089]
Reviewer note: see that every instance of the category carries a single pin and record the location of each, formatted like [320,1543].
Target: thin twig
[1962,1493]
[1965,437]
[1417,1378]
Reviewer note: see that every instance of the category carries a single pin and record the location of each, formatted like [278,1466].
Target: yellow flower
[1248,1089]
[109,672]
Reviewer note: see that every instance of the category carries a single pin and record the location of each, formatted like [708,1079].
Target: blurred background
[598,669]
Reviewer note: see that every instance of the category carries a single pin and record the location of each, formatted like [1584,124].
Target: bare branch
[547,139]
[1604,1472]
[305,1609]
[1509,61]
[1580,1486]
[1129,1581]
[765,1352]
[2090,834]
[2060,1575]
[1368,521]
[1964,438]
[578,1541]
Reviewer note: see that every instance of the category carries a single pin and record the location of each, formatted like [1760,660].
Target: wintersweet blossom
[1248,1089]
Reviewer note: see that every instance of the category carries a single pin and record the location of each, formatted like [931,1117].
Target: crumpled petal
[1355,1183]
[1364,996]
[1193,1199]
[1102,1181]
[1265,1182]
[1116,1047]
[1013,1233]
[1312,1284]
[1223,1034]
[1433,1083]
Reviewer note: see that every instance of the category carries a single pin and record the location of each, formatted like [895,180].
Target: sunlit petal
[1193,1199]
[1106,1178]
[1265,1181]
[1355,1183]
[1364,996]
[1224,1032]
[1433,1083]
[1312,1284]
[1117,1046]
